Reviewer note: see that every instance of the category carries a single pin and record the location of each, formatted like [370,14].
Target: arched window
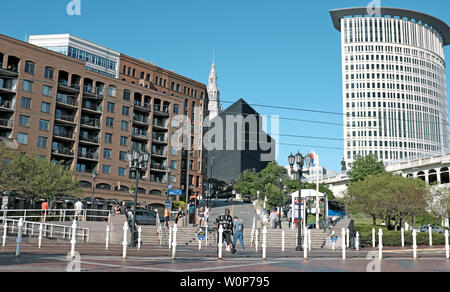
[445,179]
[432,176]
[85,184]
[155,192]
[103,187]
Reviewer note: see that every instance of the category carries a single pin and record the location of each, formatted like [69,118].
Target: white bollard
[125,240]
[40,236]
[174,243]
[206,238]
[264,245]
[373,238]
[357,241]
[380,244]
[5,230]
[343,244]
[332,242]
[305,243]
[74,239]
[139,237]
[447,248]
[107,238]
[309,240]
[19,236]
[220,243]
[170,237]
[256,240]
[253,231]
[430,235]
[414,244]
[403,237]
[348,237]
[282,240]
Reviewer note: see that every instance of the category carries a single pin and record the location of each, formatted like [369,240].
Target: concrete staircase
[186,236]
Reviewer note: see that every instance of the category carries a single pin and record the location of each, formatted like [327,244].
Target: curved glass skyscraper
[394,86]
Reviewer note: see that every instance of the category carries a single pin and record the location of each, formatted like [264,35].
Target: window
[43,125]
[22,138]
[126,95]
[107,153]
[124,126]
[122,156]
[45,107]
[42,142]
[29,67]
[122,171]
[108,138]
[176,109]
[26,103]
[106,169]
[109,122]
[49,73]
[125,111]
[110,107]
[173,164]
[27,85]
[112,90]
[173,151]
[47,90]
[24,121]
[123,141]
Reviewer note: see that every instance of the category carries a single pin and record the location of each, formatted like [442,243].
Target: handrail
[62,214]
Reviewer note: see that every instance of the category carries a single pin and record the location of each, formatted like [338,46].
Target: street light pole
[299,159]
[137,161]
[279,202]
[94,177]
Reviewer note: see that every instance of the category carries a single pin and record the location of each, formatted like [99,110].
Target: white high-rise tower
[213,94]
[394,86]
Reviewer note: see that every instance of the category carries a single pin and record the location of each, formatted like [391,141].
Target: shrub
[393,238]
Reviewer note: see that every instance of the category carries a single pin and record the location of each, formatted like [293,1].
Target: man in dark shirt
[226,221]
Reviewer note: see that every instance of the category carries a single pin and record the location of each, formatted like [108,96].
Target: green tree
[35,177]
[365,166]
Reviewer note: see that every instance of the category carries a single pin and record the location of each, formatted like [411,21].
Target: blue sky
[284,53]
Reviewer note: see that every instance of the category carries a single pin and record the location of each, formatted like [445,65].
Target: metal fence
[52,215]
[51,231]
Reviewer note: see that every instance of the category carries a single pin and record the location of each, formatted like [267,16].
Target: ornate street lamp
[300,161]
[137,162]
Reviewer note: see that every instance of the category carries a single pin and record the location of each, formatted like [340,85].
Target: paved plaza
[53,257]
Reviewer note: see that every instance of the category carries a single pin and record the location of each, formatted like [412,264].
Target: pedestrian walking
[238,226]
[44,208]
[166,216]
[226,221]
[123,209]
[273,218]
[179,215]
[78,209]
[289,215]
[206,215]
[201,217]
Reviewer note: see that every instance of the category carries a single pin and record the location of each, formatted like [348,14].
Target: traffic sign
[334,238]
[175,192]
[201,235]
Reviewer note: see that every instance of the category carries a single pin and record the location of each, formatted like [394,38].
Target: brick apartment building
[54,103]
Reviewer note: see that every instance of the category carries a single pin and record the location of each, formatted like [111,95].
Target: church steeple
[213,93]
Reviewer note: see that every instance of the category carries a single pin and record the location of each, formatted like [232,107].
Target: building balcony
[143,107]
[6,105]
[91,123]
[9,73]
[63,85]
[88,155]
[92,107]
[66,100]
[6,123]
[159,138]
[161,153]
[158,167]
[90,139]
[63,151]
[65,117]
[161,110]
[140,120]
[63,133]
[90,92]
[160,125]
[140,134]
